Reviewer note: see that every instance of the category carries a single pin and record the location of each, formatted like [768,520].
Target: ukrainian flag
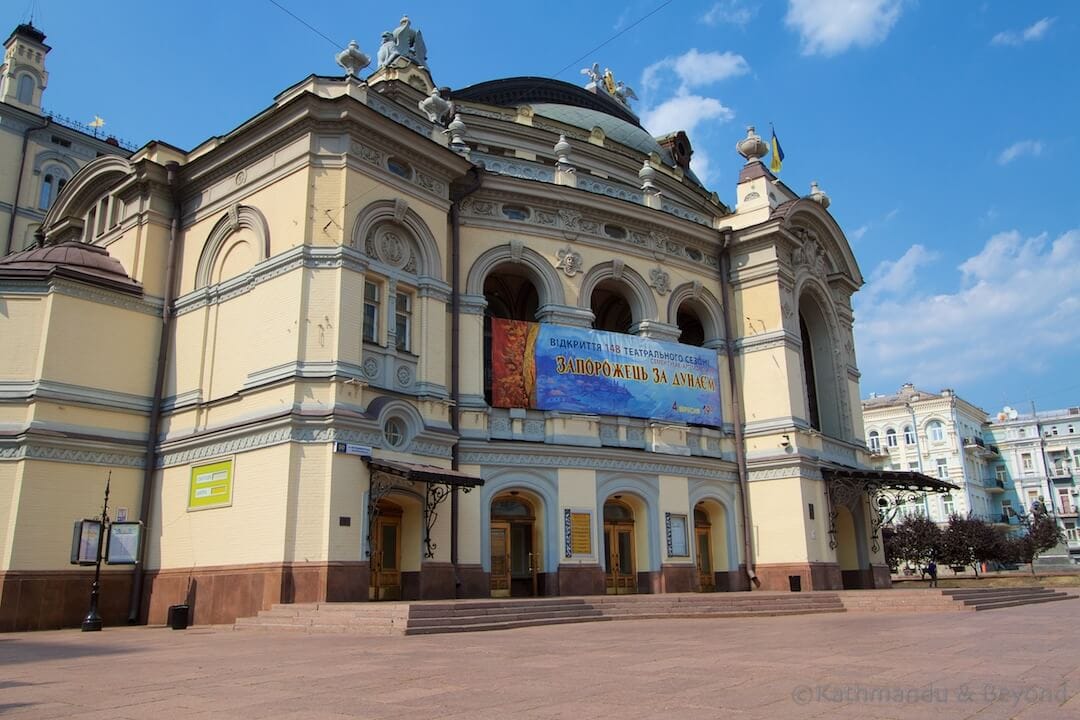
[777,154]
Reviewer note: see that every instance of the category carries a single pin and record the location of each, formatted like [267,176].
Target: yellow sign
[211,485]
[581,533]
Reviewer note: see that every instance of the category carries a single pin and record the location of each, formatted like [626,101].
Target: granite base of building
[49,600]
[800,576]
[732,580]
[224,593]
[581,580]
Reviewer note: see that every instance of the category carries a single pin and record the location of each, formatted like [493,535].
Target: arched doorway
[515,549]
[847,548]
[386,552]
[703,545]
[619,550]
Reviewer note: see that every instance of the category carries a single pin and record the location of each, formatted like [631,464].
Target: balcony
[994,486]
[1061,472]
[979,447]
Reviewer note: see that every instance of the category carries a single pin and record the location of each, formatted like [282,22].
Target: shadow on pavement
[28,651]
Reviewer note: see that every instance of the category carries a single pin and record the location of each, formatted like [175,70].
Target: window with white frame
[403,321]
[1026,463]
[947,505]
[936,431]
[913,466]
[371,312]
[1001,473]
[890,437]
[942,468]
[909,435]
[874,441]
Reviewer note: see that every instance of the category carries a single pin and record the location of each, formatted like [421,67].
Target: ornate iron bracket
[841,493]
[382,484]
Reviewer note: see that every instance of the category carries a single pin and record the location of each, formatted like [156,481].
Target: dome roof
[89,263]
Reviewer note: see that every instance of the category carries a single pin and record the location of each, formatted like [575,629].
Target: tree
[971,541]
[1041,534]
[915,539]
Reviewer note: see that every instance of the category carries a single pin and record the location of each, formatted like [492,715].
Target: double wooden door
[704,560]
[514,561]
[619,554]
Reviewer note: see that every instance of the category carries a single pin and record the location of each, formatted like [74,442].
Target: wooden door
[500,559]
[704,560]
[619,551]
[386,558]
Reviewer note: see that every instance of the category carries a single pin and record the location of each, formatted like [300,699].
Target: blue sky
[945,132]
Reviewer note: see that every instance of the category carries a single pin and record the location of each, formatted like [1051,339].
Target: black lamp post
[92,621]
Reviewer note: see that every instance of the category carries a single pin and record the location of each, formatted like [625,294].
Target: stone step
[495,604]
[723,614]
[501,618]
[501,625]
[469,611]
[994,605]
[1003,592]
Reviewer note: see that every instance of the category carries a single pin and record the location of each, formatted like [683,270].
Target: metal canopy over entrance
[390,475]
[885,491]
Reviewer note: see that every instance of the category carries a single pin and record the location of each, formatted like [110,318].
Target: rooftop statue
[605,82]
[353,59]
[403,42]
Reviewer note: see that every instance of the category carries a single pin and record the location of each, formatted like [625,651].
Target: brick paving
[1019,662]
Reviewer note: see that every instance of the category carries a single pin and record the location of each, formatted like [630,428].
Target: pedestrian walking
[931,570]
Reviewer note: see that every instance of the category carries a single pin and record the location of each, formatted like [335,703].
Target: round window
[395,432]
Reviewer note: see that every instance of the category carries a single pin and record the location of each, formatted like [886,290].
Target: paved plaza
[1020,662]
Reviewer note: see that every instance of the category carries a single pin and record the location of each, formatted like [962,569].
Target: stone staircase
[951,600]
[447,616]
[993,598]
[429,617]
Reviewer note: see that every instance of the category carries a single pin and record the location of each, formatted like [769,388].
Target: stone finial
[435,106]
[562,151]
[353,59]
[818,195]
[752,147]
[647,175]
[456,130]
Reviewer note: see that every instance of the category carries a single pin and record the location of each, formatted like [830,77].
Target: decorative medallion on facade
[569,262]
[660,281]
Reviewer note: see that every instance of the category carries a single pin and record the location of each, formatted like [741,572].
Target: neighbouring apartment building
[1001,464]
[388,341]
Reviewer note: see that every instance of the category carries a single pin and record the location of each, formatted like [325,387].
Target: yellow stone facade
[314,271]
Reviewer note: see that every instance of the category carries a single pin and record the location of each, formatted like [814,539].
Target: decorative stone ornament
[562,154]
[818,195]
[352,59]
[456,130]
[403,42]
[752,147]
[435,106]
[647,175]
[660,280]
[569,262]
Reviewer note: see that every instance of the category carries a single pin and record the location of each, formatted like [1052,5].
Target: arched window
[936,430]
[510,295]
[691,331]
[611,308]
[909,435]
[890,437]
[25,93]
[874,441]
[46,197]
[809,375]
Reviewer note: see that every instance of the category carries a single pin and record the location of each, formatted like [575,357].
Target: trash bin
[179,616]
[795,583]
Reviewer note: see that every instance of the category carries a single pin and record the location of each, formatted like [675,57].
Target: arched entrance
[712,545]
[386,552]
[515,548]
[703,545]
[847,548]
[619,550]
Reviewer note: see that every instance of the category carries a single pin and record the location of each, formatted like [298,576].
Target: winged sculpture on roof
[403,42]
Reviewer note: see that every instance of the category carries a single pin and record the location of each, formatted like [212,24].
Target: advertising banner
[570,369]
[211,485]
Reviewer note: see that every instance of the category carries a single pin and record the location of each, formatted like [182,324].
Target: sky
[945,133]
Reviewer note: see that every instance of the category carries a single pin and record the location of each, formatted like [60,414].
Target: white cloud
[695,69]
[1033,148]
[1033,32]
[829,27]
[1014,301]
[857,233]
[683,112]
[701,165]
[895,276]
[731,12]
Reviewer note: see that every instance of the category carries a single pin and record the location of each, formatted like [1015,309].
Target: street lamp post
[92,622]
[918,451]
